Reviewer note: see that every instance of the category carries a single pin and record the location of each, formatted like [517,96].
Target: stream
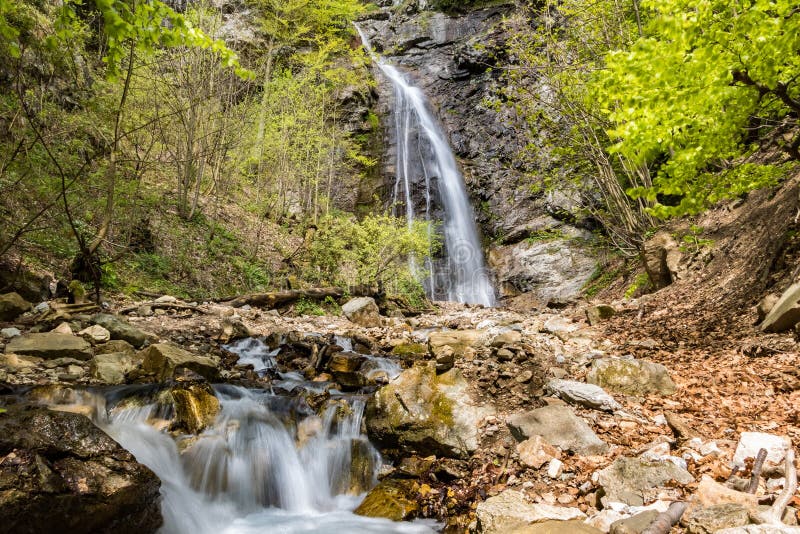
[268,464]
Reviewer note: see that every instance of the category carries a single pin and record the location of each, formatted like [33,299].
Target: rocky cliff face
[458,62]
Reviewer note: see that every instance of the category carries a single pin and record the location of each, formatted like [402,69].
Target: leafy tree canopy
[704,84]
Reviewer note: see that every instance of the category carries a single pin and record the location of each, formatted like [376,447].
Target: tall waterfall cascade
[424,155]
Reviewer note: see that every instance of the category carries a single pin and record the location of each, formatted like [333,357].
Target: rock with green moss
[423,413]
[196,406]
[410,350]
[632,377]
[392,499]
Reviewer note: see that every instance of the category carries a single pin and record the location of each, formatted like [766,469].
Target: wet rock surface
[60,473]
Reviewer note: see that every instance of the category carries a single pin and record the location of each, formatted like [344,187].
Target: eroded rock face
[423,413]
[60,473]
[453,59]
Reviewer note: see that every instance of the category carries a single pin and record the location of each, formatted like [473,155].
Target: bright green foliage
[557,47]
[706,82]
[374,251]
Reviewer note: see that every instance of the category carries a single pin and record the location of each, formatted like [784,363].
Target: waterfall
[423,153]
[266,465]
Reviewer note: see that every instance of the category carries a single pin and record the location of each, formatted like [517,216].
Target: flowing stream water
[268,464]
[423,154]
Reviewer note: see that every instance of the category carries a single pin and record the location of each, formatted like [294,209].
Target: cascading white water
[256,470]
[423,152]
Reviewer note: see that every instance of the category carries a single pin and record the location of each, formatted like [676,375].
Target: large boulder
[12,306]
[785,313]
[392,499]
[632,377]
[163,359]
[60,473]
[363,311]
[120,329]
[510,510]
[50,346]
[559,426]
[423,413]
[627,479]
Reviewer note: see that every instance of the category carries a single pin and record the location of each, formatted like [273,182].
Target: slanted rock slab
[560,427]
[50,346]
[588,395]
[785,313]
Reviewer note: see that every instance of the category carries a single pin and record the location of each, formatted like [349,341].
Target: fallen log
[665,520]
[282,298]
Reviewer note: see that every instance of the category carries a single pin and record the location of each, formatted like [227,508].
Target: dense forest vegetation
[141,151]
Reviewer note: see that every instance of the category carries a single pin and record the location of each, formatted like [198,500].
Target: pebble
[8,333]
[554,468]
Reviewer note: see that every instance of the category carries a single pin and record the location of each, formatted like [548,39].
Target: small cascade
[266,465]
[424,155]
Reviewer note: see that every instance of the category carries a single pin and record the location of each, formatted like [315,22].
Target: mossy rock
[632,377]
[423,413]
[392,499]
[410,350]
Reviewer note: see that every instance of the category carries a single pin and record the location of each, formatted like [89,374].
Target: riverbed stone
[559,426]
[626,479]
[635,524]
[510,510]
[164,359]
[111,368]
[558,527]
[751,442]
[630,376]
[392,499]
[714,518]
[120,329]
[535,452]
[422,412]
[8,333]
[50,346]
[60,473]
[588,395]
[363,311]
[196,406]
[12,305]
[95,334]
